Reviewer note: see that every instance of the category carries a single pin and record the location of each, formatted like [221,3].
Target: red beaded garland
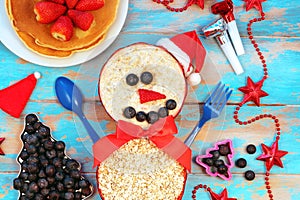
[258,117]
[167,2]
[205,187]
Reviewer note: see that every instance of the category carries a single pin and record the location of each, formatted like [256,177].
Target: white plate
[10,39]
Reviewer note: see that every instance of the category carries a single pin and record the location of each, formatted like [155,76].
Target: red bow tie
[160,133]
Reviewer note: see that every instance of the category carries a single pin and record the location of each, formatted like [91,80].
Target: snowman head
[142,83]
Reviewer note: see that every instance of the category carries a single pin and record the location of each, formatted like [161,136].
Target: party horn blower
[218,30]
[225,9]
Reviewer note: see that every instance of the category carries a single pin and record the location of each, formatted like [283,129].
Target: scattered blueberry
[29,129]
[249,175]
[152,117]
[213,169]
[48,145]
[50,170]
[215,154]
[241,163]
[24,175]
[51,180]
[163,112]
[29,195]
[222,169]
[33,168]
[69,196]
[217,163]
[59,145]
[141,116]
[24,155]
[72,164]
[208,161]
[54,195]
[129,112]
[43,131]
[31,119]
[51,154]
[132,79]
[42,174]
[171,104]
[32,177]
[37,125]
[251,149]
[42,183]
[84,183]
[33,187]
[224,150]
[146,78]
[18,183]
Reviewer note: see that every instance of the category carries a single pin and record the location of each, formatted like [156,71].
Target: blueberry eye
[129,112]
[146,78]
[132,79]
[171,104]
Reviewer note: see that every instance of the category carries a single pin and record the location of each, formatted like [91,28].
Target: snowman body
[139,169]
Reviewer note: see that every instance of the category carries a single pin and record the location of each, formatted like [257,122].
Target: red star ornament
[200,3]
[271,155]
[253,91]
[222,196]
[1,152]
[254,4]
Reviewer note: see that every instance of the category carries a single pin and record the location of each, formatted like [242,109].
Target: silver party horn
[218,30]
[225,9]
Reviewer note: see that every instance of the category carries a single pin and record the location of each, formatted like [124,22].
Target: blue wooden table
[278,37]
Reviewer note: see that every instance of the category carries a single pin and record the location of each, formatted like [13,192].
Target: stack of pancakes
[37,36]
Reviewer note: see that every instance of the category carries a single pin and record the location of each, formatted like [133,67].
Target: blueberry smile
[152,116]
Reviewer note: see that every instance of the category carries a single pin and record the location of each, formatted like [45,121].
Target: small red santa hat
[186,47]
[14,98]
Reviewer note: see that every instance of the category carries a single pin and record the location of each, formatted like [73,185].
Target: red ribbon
[225,9]
[161,134]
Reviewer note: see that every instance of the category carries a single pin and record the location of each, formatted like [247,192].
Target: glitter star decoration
[271,155]
[254,4]
[222,196]
[1,152]
[253,91]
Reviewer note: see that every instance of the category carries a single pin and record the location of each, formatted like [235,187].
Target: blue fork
[212,108]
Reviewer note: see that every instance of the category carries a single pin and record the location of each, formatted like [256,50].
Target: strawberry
[86,5]
[47,12]
[149,95]
[62,29]
[71,3]
[82,20]
[62,2]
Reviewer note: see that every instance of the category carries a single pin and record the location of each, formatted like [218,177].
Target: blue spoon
[70,97]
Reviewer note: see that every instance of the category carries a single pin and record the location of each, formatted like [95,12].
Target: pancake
[23,20]
[30,43]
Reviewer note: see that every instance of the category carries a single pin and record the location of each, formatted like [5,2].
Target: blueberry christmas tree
[46,171]
[218,160]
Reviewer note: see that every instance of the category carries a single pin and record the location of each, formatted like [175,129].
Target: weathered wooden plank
[146,16]
[281,56]
[67,127]
[282,187]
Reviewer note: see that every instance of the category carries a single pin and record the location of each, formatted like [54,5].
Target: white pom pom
[37,75]
[194,79]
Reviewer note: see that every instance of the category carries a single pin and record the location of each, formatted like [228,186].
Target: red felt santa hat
[186,47]
[14,98]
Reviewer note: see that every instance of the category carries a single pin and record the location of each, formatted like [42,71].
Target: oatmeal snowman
[143,88]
